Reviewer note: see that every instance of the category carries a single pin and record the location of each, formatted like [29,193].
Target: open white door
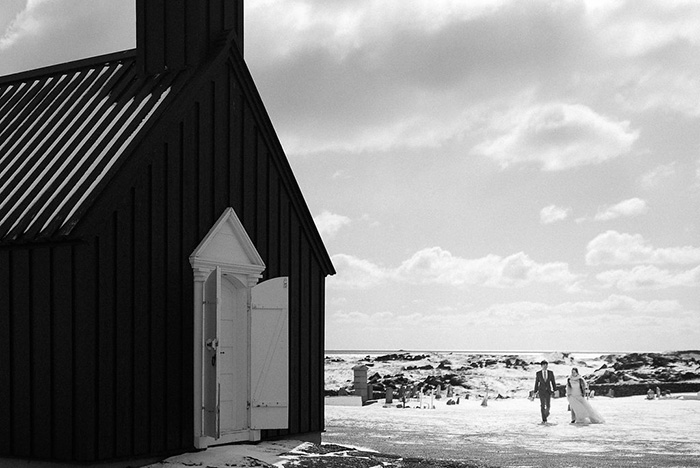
[211,426]
[270,355]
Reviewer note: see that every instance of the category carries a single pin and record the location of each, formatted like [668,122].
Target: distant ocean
[469,351]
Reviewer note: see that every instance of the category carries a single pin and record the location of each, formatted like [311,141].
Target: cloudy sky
[486,174]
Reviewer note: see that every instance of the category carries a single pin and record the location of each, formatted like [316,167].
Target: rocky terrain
[510,375]
[648,368]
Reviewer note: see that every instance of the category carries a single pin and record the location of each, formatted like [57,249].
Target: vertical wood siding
[174,34]
[96,335]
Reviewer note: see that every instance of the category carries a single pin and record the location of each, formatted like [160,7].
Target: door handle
[212,344]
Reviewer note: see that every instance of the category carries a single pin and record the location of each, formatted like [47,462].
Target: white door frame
[228,248]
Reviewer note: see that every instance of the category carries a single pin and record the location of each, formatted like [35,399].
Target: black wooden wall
[98,338]
[173,34]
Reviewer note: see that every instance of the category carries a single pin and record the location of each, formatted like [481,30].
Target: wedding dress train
[582,411]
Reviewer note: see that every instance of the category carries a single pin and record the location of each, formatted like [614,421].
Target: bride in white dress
[581,411]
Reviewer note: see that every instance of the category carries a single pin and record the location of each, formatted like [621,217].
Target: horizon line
[476,351]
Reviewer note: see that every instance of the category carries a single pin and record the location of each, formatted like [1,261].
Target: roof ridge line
[66,66]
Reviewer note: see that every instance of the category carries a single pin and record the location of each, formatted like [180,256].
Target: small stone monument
[360,381]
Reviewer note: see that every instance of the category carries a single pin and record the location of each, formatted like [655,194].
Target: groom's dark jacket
[545,383]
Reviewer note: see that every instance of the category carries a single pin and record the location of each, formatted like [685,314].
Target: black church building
[161,277]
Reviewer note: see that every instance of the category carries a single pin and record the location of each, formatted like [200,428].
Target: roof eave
[66,67]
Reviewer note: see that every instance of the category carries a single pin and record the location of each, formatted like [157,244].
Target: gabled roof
[62,130]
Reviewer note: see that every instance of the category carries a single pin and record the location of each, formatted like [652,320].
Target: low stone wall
[622,390]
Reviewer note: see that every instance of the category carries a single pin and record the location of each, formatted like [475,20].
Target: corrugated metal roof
[61,131]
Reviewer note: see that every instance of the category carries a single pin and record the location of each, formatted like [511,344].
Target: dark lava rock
[425,367]
[401,357]
[629,365]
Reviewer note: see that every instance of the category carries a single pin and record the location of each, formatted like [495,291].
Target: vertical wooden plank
[141,32]
[236,132]
[141,286]
[230,10]
[41,352]
[191,169]
[174,298]
[157,304]
[5,346]
[261,202]
[62,352]
[190,238]
[174,39]
[285,259]
[233,14]
[85,417]
[273,223]
[124,330]
[150,35]
[159,41]
[316,345]
[222,144]
[305,316]
[21,354]
[204,128]
[248,157]
[196,31]
[322,325]
[295,339]
[106,325]
[215,18]
[187,358]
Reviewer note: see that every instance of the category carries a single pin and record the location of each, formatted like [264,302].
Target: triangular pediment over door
[228,246]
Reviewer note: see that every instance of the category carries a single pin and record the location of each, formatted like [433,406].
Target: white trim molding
[228,248]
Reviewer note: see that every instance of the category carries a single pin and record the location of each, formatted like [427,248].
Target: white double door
[245,360]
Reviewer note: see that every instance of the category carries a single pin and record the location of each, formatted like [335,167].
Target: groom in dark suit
[544,387]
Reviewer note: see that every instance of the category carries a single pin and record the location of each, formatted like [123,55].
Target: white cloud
[559,136]
[378,319]
[45,32]
[626,208]
[656,176]
[355,273]
[654,45]
[631,28]
[437,266]
[402,74]
[648,277]
[552,213]
[329,224]
[527,314]
[613,305]
[614,248]
[29,22]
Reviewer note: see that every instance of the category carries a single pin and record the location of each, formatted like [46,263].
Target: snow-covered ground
[507,432]
[639,432]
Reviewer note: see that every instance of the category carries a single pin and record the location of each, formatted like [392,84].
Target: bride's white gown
[579,405]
